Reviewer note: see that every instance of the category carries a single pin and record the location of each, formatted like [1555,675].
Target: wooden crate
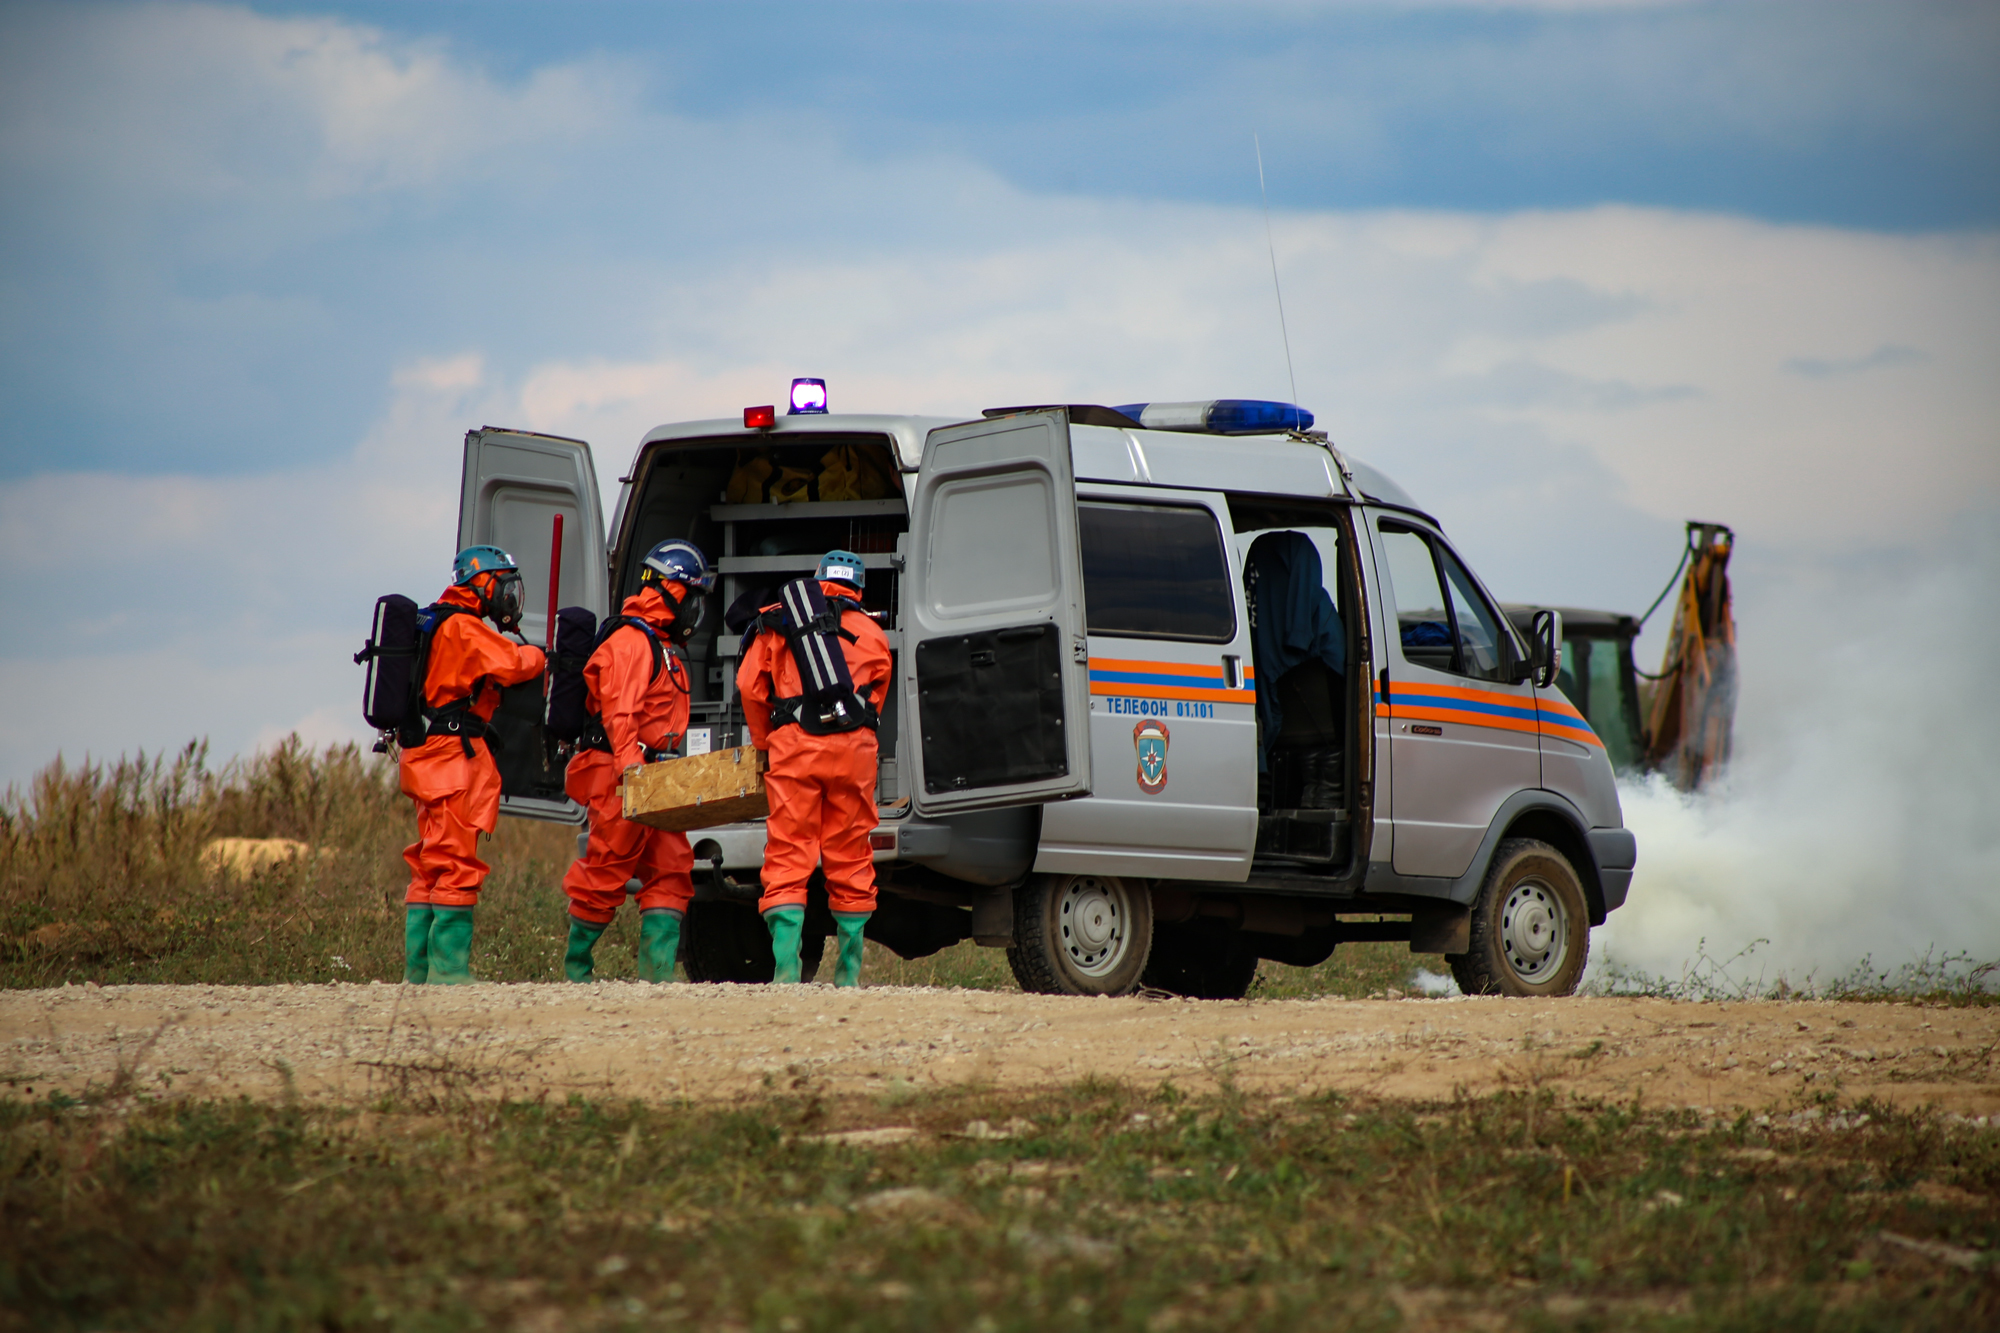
[701,791]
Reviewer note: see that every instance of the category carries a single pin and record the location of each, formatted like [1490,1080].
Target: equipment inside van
[1178,687]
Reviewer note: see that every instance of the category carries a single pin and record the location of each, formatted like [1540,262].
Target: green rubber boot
[785,924]
[847,967]
[451,946]
[659,943]
[417,944]
[578,965]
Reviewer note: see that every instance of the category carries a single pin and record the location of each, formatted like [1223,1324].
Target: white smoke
[1860,819]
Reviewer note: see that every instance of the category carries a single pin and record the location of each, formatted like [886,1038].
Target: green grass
[1105,1208]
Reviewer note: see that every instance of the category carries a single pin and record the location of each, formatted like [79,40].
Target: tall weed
[103,875]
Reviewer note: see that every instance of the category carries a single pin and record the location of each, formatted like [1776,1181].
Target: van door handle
[1232,672]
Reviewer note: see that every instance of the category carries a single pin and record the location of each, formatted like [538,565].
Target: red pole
[555,581]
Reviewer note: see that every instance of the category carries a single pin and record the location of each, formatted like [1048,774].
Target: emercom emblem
[1150,739]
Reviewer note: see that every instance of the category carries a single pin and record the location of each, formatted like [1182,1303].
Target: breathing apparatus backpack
[397,656]
[811,626]
[578,637]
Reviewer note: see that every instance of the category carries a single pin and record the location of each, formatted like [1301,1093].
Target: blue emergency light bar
[1221,416]
[808,398]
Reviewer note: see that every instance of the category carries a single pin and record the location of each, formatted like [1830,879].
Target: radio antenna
[1283,332]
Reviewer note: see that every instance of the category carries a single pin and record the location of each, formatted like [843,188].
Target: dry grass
[109,872]
[103,875]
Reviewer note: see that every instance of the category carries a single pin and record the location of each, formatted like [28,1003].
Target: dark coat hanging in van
[1294,623]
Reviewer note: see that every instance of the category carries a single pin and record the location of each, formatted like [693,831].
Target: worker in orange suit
[822,764]
[451,774]
[638,698]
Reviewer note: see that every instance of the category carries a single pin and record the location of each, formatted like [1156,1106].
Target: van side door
[1463,735]
[994,672]
[1173,726]
[513,486]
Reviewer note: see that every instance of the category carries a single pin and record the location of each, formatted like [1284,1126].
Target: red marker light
[759,418]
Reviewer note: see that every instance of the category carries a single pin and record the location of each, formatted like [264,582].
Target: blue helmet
[682,562]
[842,567]
[679,561]
[476,560]
[502,600]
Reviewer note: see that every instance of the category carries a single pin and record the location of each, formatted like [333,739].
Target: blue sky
[1571,271]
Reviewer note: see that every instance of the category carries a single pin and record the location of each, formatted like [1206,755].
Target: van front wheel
[1080,935]
[1530,925]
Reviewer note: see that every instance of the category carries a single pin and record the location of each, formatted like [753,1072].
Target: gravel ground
[345,1042]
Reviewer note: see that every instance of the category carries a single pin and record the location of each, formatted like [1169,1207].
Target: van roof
[1261,464]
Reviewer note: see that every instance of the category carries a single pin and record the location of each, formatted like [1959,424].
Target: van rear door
[995,669]
[514,485]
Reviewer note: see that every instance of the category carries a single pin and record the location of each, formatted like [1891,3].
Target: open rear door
[514,485]
[995,671]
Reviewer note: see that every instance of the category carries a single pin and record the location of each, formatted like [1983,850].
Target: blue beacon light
[808,398]
[1221,416]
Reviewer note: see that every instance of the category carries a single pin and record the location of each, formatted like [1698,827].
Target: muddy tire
[1080,935]
[1530,925]
[1202,962]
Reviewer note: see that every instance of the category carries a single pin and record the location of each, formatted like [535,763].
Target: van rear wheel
[1080,935]
[1201,960]
[1530,925]
[725,941]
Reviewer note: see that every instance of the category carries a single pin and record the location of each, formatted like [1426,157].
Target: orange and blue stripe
[1168,680]
[1544,716]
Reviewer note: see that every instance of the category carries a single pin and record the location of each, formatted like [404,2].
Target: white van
[1178,687]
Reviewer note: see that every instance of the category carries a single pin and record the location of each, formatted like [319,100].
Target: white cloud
[1560,388]
[1664,348]
[220,102]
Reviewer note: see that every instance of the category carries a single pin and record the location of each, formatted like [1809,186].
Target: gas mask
[687,613]
[504,600]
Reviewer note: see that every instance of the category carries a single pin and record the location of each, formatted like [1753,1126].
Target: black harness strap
[594,736]
[419,728]
[809,620]
[457,719]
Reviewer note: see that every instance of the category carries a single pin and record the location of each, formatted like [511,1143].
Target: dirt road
[720,1042]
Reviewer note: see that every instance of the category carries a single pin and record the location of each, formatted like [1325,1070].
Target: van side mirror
[1545,642]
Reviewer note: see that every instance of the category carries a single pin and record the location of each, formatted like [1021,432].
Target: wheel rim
[1534,931]
[1094,917]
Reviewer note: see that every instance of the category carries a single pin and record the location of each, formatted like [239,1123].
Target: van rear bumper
[1616,852]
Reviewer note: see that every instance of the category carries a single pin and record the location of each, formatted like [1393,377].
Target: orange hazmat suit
[638,710]
[458,796]
[822,788]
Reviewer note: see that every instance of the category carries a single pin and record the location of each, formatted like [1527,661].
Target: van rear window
[1155,572]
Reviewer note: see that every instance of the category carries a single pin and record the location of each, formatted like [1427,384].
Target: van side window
[1444,622]
[1155,572]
